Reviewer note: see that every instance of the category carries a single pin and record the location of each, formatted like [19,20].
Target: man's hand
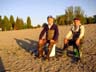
[78,41]
[52,41]
[65,41]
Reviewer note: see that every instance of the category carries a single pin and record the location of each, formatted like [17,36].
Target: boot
[76,53]
[49,50]
[65,50]
[40,51]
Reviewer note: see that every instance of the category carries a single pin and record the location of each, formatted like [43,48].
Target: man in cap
[51,31]
[77,34]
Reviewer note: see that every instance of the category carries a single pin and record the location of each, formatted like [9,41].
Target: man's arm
[42,33]
[67,37]
[81,35]
[82,32]
[56,33]
[69,34]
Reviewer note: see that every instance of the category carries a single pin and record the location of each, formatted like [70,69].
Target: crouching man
[51,32]
[77,34]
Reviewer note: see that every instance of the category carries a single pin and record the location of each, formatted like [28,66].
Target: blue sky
[38,10]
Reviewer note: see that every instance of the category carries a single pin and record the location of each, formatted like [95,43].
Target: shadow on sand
[29,45]
[59,52]
[2,69]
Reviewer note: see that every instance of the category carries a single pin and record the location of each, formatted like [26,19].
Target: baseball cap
[76,18]
[50,17]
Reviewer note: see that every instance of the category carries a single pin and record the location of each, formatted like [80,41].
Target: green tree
[57,20]
[78,12]
[12,21]
[60,20]
[38,26]
[90,20]
[6,25]
[29,22]
[19,24]
[25,26]
[0,22]
[94,18]
[69,14]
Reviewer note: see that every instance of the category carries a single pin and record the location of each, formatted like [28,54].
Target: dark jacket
[45,30]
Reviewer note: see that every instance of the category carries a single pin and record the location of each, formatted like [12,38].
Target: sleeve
[82,32]
[56,33]
[69,34]
[42,33]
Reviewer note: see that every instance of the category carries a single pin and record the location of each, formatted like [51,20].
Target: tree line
[72,12]
[65,19]
[10,24]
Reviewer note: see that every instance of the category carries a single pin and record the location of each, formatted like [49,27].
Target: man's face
[50,21]
[76,22]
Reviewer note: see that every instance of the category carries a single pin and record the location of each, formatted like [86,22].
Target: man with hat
[51,33]
[76,33]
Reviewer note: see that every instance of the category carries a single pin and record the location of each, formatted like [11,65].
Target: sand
[17,49]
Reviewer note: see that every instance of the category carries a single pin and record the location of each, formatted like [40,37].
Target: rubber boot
[76,54]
